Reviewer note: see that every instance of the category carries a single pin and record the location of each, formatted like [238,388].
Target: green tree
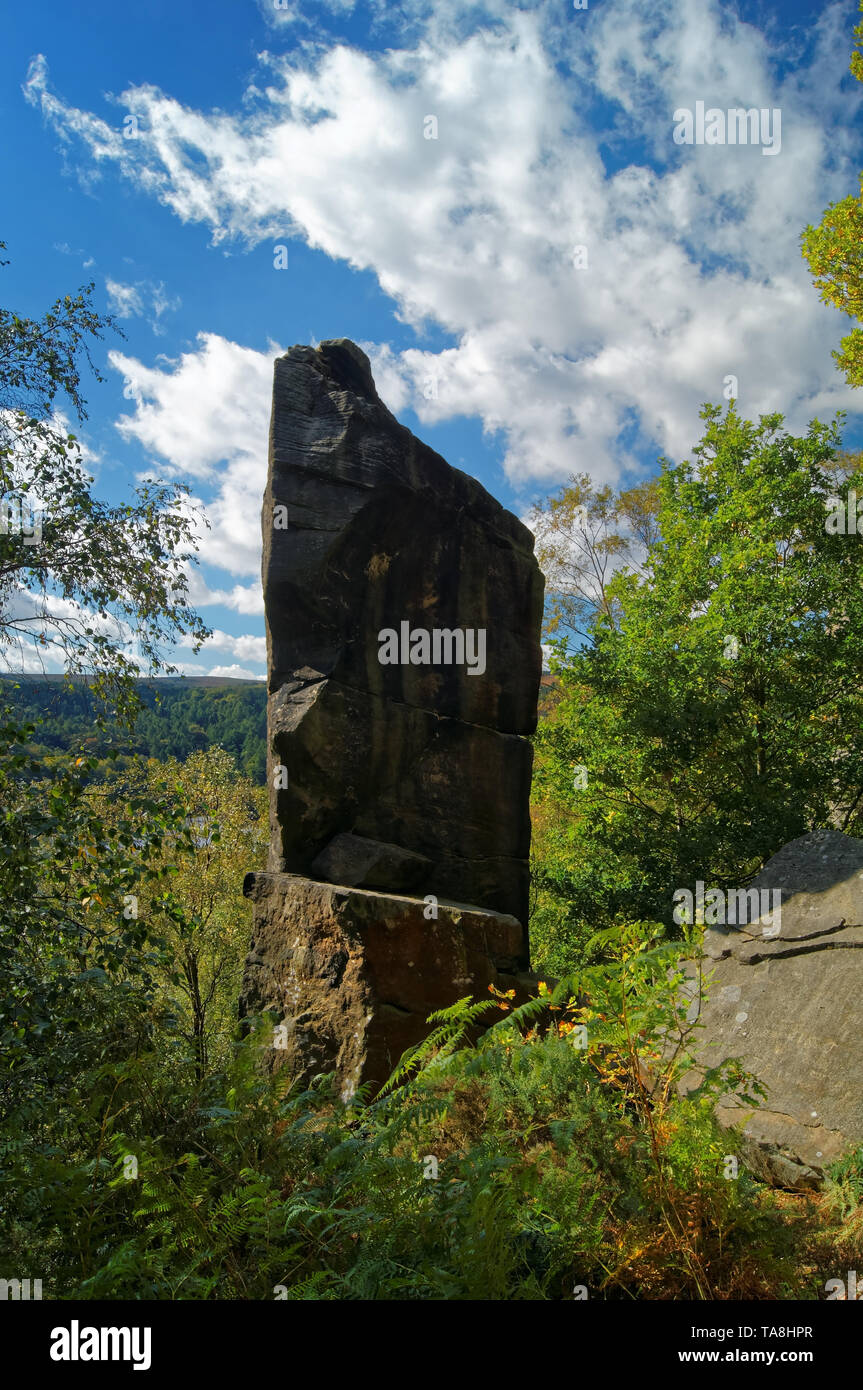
[207,931]
[834,252]
[718,714]
[77,961]
[80,970]
[104,587]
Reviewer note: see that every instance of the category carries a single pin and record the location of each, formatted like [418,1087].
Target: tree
[719,716]
[103,586]
[79,991]
[834,252]
[584,535]
[225,834]
[77,961]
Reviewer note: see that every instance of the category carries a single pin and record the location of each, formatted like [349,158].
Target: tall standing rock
[403,608]
[381,532]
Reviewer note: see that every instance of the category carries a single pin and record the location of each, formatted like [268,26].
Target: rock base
[351,975]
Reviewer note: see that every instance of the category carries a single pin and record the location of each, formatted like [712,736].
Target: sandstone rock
[381,533]
[403,608]
[790,1006]
[353,974]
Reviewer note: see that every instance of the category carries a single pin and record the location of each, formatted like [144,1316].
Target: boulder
[786,997]
[349,976]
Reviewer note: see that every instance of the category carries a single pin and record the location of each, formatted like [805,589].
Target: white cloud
[235,673]
[247,599]
[30,616]
[163,303]
[19,660]
[206,417]
[694,269]
[124,300]
[128,301]
[245,648]
[200,410]
[279,12]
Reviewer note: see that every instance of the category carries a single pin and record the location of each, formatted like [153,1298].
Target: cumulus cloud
[552,134]
[245,648]
[21,660]
[242,598]
[205,416]
[38,627]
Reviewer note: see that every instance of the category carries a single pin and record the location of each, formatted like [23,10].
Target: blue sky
[452,260]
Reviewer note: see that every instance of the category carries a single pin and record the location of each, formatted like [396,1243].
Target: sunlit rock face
[784,989]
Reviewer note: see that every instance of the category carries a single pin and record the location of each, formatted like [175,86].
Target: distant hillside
[181,714]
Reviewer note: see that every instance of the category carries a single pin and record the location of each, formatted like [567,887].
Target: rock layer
[790,1006]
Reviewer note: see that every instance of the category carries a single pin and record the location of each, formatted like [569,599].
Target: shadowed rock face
[789,1003]
[428,759]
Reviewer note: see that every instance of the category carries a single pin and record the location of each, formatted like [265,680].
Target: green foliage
[101,581]
[207,937]
[716,713]
[67,938]
[846,1183]
[175,718]
[556,1168]
[120,941]
[145,1153]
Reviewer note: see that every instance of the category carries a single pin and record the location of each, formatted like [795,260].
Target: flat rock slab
[789,1004]
[350,975]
